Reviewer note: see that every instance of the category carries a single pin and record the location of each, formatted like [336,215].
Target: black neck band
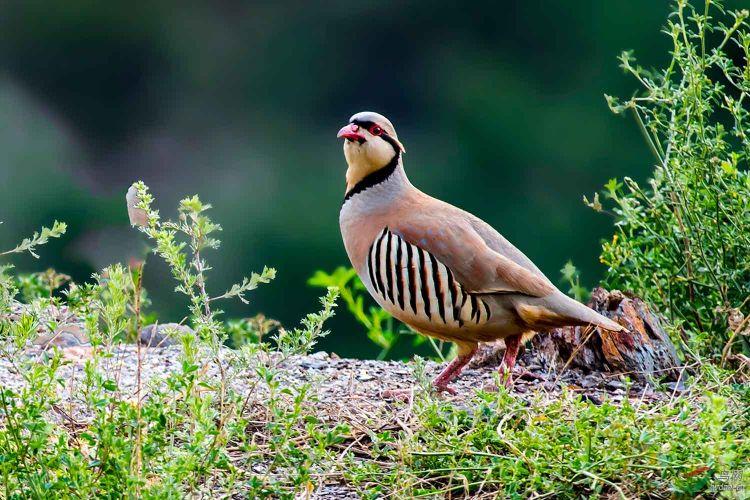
[374,178]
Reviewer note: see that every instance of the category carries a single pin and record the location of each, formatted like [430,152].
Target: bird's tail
[558,309]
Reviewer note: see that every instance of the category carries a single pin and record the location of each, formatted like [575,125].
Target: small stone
[312,363]
[591,398]
[63,337]
[648,391]
[363,376]
[163,335]
[589,382]
[614,384]
[77,353]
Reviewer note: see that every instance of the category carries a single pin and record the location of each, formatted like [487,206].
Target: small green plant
[499,445]
[37,239]
[250,330]
[572,277]
[682,240]
[9,286]
[182,432]
[42,284]
[185,258]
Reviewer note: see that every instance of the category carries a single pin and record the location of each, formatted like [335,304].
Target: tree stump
[642,352]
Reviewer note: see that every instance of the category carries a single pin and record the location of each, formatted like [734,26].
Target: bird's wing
[498,243]
[452,239]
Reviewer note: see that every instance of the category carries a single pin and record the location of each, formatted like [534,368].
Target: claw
[445,388]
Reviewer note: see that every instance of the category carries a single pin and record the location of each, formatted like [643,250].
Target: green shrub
[682,240]
[184,432]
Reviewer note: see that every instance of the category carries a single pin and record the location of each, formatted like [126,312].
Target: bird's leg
[440,384]
[465,353]
[512,344]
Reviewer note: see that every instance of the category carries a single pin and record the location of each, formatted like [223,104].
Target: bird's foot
[444,388]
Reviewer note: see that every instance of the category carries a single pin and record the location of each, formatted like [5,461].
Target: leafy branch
[38,238]
[181,244]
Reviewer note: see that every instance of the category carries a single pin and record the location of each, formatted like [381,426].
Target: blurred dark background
[500,106]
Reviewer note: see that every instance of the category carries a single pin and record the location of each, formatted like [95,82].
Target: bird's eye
[375,130]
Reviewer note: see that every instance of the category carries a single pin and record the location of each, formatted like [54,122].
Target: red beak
[350,132]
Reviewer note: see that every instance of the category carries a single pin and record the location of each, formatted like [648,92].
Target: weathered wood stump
[643,352]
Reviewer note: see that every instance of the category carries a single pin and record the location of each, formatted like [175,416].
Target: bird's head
[370,143]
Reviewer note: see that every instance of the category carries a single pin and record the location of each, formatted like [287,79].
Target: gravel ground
[358,384]
[354,383]
[345,390]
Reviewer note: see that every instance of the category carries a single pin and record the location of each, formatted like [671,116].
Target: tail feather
[558,309]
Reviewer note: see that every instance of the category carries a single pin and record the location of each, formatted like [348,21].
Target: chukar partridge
[435,267]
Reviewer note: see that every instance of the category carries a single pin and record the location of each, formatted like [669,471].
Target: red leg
[465,353]
[440,384]
[512,344]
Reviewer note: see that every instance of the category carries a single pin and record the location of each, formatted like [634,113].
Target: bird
[437,268]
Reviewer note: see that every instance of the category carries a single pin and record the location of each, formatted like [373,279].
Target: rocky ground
[357,383]
[344,387]
[345,390]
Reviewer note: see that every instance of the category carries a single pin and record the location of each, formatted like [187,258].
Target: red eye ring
[376,130]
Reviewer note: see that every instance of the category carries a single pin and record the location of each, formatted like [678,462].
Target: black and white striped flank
[414,281]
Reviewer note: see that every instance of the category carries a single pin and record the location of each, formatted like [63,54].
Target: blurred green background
[500,106]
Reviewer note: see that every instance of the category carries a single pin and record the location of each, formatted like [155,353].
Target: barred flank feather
[413,280]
